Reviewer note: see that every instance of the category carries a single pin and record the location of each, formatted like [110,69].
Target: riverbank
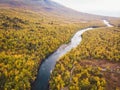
[48,65]
[93,64]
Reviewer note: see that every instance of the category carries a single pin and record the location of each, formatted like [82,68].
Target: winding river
[42,80]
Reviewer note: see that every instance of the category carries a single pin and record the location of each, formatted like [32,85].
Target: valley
[44,72]
[94,64]
[26,39]
[39,33]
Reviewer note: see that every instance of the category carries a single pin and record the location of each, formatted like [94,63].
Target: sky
[99,7]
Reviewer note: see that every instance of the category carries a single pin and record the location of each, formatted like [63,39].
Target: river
[42,80]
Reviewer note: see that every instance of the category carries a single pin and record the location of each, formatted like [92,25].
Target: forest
[27,38]
[93,65]
[31,30]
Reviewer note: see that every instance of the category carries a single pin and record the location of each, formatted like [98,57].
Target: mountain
[48,7]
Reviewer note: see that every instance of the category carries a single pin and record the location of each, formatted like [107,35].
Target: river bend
[42,80]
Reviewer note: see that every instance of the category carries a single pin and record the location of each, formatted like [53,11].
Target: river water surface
[42,80]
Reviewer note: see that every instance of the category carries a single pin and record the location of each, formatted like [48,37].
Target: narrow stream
[42,81]
[107,23]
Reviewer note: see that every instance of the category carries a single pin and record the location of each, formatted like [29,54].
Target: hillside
[49,7]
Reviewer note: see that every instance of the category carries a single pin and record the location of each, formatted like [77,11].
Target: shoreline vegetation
[25,40]
[94,63]
[30,32]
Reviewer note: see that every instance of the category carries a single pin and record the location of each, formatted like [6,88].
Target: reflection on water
[48,65]
[107,23]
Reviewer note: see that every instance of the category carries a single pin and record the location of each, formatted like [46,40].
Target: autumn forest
[30,35]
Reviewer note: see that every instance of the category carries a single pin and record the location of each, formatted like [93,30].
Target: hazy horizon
[98,7]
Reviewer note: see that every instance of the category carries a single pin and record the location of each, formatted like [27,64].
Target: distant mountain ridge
[49,7]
